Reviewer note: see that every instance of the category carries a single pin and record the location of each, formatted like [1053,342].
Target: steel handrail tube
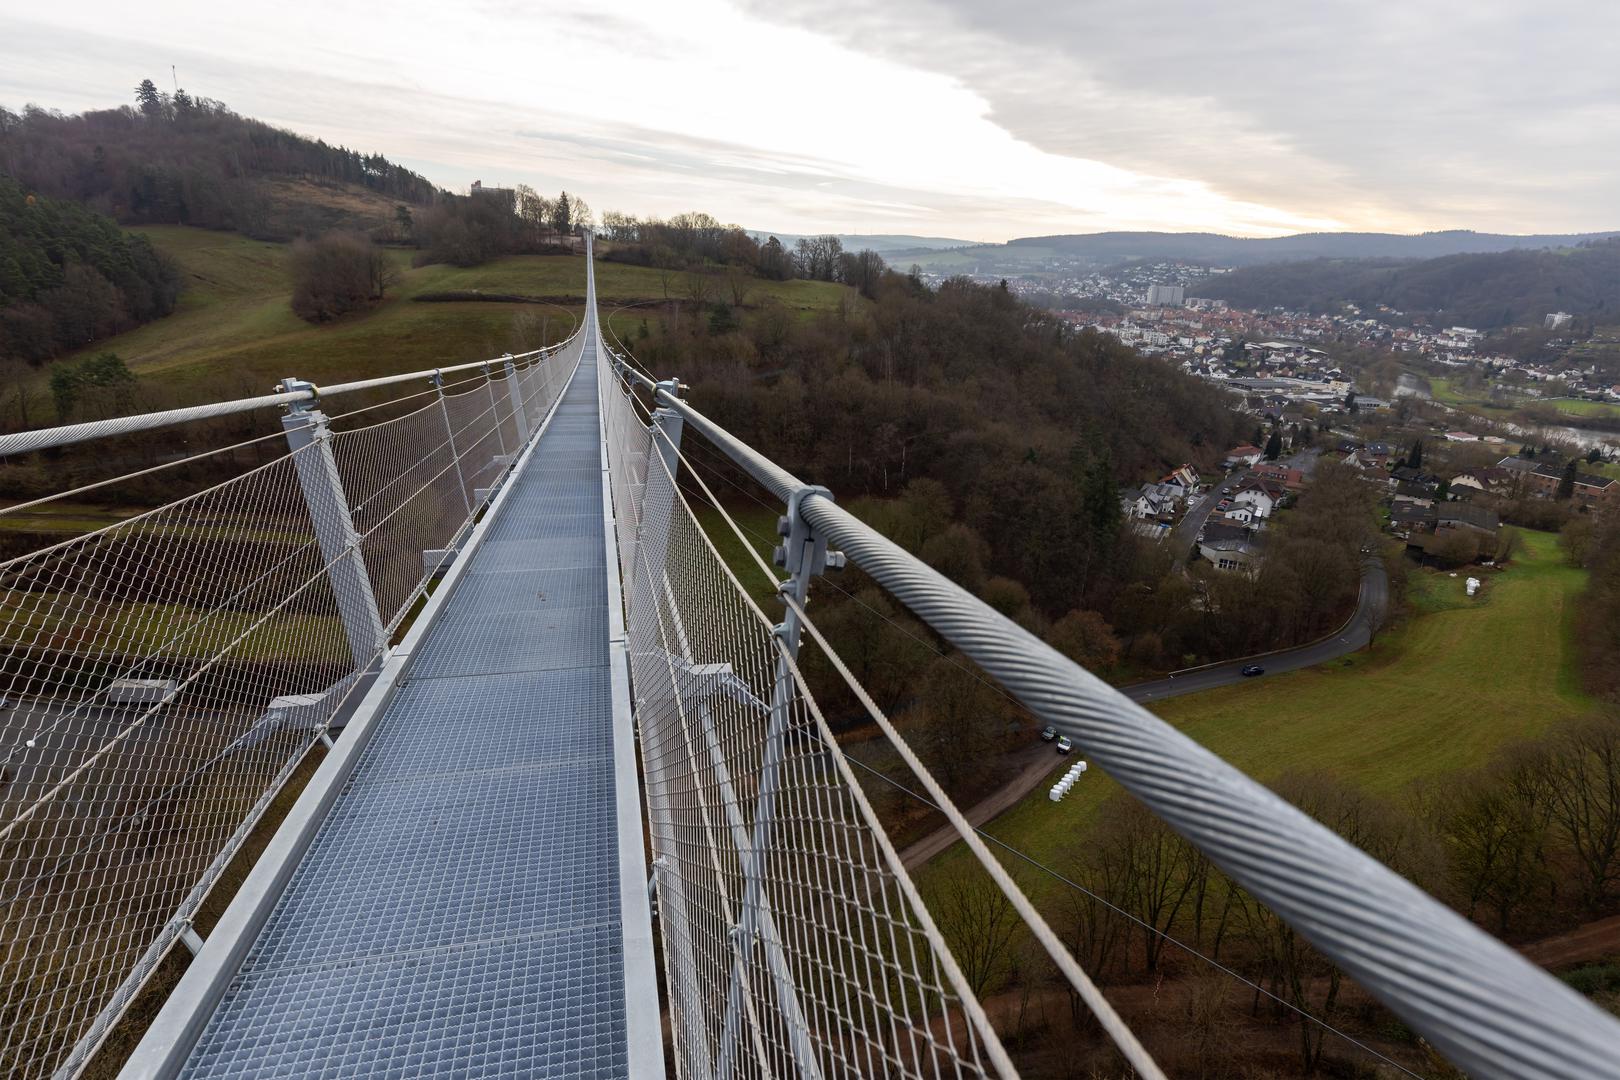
[1488,1009]
[22,442]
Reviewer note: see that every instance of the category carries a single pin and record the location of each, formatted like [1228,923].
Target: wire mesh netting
[794,943]
[161,677]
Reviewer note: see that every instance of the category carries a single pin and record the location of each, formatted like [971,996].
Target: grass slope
[1439,694]
[235,333]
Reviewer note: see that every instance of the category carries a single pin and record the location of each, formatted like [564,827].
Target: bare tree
[697,286]
[978,922]
[739,283]
[1583,779]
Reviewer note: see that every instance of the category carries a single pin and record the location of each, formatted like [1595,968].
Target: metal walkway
[458,912]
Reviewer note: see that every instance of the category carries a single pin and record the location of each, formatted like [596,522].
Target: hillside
[1483,291]
[186,161]
[234,332]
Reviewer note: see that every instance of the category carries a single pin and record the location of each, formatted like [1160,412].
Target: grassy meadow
[1437,694]
[234,332]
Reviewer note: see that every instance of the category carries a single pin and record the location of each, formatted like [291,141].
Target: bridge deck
[458,912]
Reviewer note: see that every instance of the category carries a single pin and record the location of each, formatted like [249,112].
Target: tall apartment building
[1166,295]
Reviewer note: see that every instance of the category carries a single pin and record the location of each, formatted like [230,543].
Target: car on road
[1253,669]
[1064,745]
[1048,733]
[1226,491]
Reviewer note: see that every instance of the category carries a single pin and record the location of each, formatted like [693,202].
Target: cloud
[1482,114]
[939,116]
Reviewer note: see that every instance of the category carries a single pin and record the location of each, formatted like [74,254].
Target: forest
[69,276]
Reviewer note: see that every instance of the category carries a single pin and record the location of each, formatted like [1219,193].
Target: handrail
[21,442]
[1488,1009]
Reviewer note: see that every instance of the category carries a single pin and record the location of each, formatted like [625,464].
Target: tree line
[70,276]
[492,222]
[698,240]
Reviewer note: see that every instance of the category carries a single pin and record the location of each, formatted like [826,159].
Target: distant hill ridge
[1483,290]
[1247,251]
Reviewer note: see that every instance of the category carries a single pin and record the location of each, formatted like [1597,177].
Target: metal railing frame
[1489,1010]
[299,393]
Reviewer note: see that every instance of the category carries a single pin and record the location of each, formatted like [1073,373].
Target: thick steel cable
[1488,1009]
[1145,926]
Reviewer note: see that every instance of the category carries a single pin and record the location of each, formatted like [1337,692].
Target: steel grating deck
[458,912]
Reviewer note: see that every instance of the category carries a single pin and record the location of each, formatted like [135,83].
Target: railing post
[670,422]
[519,417]
[804,553]
[494,409]
[309,438]
[450,434]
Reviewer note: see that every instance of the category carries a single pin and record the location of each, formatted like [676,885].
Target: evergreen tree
[1415,458]
[1566,484]
[562,214]
[149,98]
[1274,445]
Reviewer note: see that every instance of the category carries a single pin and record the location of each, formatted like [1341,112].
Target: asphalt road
[1182,537]
[1192,522]
[1373,603]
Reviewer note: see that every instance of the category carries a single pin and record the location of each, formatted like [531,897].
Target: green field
[1447,391]
[234,332]
[1460,678]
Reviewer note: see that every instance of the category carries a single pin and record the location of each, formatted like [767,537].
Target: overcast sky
[964,118]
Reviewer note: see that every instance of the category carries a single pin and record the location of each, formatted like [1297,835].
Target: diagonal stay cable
[1147,926]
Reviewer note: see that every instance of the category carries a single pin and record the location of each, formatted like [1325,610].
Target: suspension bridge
[565,804]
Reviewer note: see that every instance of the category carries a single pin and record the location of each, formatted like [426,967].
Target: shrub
[336,274]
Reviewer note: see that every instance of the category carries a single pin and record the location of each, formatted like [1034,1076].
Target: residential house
[1184,477]
[1292,479]
[1455,516]
[1244,455]
[1494,480]
[1589,490]
[1228,555]
[1408,518]
[1262,495]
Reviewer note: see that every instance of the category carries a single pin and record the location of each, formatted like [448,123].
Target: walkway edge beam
[1488,1009]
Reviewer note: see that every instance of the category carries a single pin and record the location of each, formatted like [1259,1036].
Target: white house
[1259,500]
[1245,455]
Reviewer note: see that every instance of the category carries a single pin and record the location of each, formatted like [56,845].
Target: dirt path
[1034,763]
[1598,940]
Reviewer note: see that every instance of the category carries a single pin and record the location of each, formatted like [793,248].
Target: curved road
[1038,762]
[1373,604]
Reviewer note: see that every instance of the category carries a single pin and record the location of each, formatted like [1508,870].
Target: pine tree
[149,98]
[1566,485]
[1415,458]
[562,214]
[1274,445]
